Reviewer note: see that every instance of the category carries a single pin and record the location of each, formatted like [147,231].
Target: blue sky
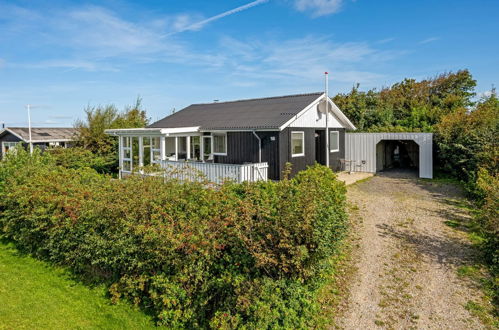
[62,56]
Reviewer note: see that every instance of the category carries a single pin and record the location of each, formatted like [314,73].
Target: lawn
[34,294]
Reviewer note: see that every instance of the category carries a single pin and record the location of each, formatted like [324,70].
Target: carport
[375,152]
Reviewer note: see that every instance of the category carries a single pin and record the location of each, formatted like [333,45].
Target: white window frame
[302,154]
[338,137]
[124,159]
[156,151]
[11,145]
[213,135]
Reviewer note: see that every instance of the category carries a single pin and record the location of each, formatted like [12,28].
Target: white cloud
[303,59]
[93,38]
[319,7]
[385,41]
[428,40]
[189,25]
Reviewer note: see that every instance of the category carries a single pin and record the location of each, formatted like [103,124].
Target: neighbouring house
[244,140]
[41,137]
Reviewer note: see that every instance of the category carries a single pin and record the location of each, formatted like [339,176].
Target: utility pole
[29,129]
[326,88]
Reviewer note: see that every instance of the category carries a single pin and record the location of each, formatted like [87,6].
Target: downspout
[259,146]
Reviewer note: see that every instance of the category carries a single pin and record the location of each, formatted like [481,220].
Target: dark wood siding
[297,163]
[242,147]
[301,163]
[9,137]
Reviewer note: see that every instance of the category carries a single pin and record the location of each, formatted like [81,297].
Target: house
[41,137]
[241,139]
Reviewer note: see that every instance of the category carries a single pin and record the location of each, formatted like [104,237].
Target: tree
[91,131]
[409,105]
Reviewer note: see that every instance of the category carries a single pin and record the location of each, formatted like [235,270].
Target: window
[146,153]
[297,144]
[156,149]
[195,148]
[334,141]
[170,148]
[220,144]
[127,154]
[207,155]
[135,152]
[6,146]
[182,147]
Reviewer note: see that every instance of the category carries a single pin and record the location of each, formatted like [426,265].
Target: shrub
[252,254]
[489,217]
[78,157]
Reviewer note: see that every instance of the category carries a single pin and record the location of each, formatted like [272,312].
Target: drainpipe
[259,146]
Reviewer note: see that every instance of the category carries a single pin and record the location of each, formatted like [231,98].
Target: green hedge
[240,255]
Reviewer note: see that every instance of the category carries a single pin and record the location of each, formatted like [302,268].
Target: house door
[207,155]
[320,147]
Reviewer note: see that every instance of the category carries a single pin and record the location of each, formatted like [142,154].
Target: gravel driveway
[406,257]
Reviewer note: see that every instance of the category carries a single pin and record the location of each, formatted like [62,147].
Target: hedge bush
[250,255]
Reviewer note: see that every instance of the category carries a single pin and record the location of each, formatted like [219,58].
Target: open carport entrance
[392,154]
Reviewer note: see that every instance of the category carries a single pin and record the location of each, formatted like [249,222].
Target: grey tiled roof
[45,133]
[264,113]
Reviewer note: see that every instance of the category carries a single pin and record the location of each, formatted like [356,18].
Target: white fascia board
[133,131]
[240,130]
[179,130]
[299,114]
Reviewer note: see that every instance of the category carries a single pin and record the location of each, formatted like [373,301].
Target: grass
[485,308]
[34,294]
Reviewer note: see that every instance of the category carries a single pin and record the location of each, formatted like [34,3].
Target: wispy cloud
[190,26]
[319,7]
[303,59]
[93,38]
[428,40]
[385,41]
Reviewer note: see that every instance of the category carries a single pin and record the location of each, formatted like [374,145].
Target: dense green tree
[468,140]
[409,105]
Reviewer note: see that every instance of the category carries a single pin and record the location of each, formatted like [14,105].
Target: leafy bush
[78,157]
[252,254]
[489,221]
[467,141]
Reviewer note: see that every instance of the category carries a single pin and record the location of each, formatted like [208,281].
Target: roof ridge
[263,98]
[26,127]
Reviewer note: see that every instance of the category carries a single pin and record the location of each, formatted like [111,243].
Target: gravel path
[406,257]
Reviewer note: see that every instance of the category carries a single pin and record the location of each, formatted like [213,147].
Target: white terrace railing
[215,172]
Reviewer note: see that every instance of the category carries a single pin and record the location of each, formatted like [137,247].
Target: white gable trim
[333,109]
